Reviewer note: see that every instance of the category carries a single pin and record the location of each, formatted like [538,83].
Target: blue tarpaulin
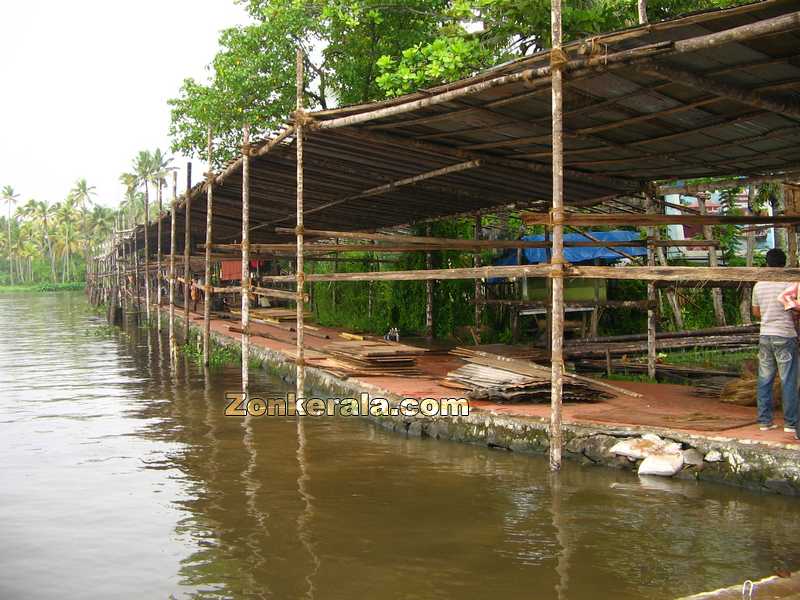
[575,254]
[581,254]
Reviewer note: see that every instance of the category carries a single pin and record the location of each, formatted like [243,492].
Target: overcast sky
[85,86]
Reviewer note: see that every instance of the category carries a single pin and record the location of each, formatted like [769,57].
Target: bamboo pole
[187,246]
[476,262]
[651,295]
[159,256]
[147,252]
[428,292]
[723,275]
[718,87]
[300,274]
[557,258]
[245,258]
[208,288]
[136,285]
[790,208]
[173,346]
[750,241]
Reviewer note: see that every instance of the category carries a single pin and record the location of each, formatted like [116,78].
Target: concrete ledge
[765,467]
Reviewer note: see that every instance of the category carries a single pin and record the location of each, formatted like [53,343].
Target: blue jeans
[777,355]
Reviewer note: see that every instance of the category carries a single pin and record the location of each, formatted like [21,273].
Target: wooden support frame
[300,272]
[173,346]
[187,249]
[557,256]
[245,282]
[207,287]
[146,252]
[159,256]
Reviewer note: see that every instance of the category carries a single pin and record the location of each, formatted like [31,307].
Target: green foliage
[220,356]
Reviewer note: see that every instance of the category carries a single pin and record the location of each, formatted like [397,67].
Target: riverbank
[43,287]
[719,442]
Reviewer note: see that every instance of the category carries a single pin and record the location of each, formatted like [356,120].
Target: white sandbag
[665,464]
[635,448]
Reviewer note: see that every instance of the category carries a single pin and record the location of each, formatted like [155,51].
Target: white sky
[85,86]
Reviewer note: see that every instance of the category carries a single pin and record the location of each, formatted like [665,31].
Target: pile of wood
[729,338]
[499,378]
[507,350]
[374,357]
[271,315]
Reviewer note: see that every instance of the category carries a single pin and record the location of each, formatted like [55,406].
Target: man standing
[777,348]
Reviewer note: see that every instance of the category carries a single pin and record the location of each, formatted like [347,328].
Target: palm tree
[10,198]
[41,215]
[81,194]
[65,219]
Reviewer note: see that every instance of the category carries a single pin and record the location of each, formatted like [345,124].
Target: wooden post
[790,208]
[146,252]
[557,258]
[750,241]
[476,262]
[173,347]
[137,285]
[594,324]
[245,258]
[187,246]
[124,282]
[300,275]
[208,289]
[651,297]
[428,292]
[708,233]
[159,256]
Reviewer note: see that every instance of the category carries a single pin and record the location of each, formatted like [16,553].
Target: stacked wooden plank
[271,315]
[499,378]
[729,338]
[516,351]
[374,357]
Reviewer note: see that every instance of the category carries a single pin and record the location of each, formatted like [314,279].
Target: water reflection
[122,476]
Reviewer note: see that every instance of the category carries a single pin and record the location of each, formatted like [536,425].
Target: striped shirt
[775,320]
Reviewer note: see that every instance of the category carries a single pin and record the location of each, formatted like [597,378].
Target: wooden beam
[173,345]
[557,256]
[588,220]
[187,247]
[300,271]
[209,290]
[245,246]
[387,188]
[721,88]
[734,275]
[275,293]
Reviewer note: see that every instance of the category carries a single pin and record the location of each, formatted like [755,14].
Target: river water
[120,477]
